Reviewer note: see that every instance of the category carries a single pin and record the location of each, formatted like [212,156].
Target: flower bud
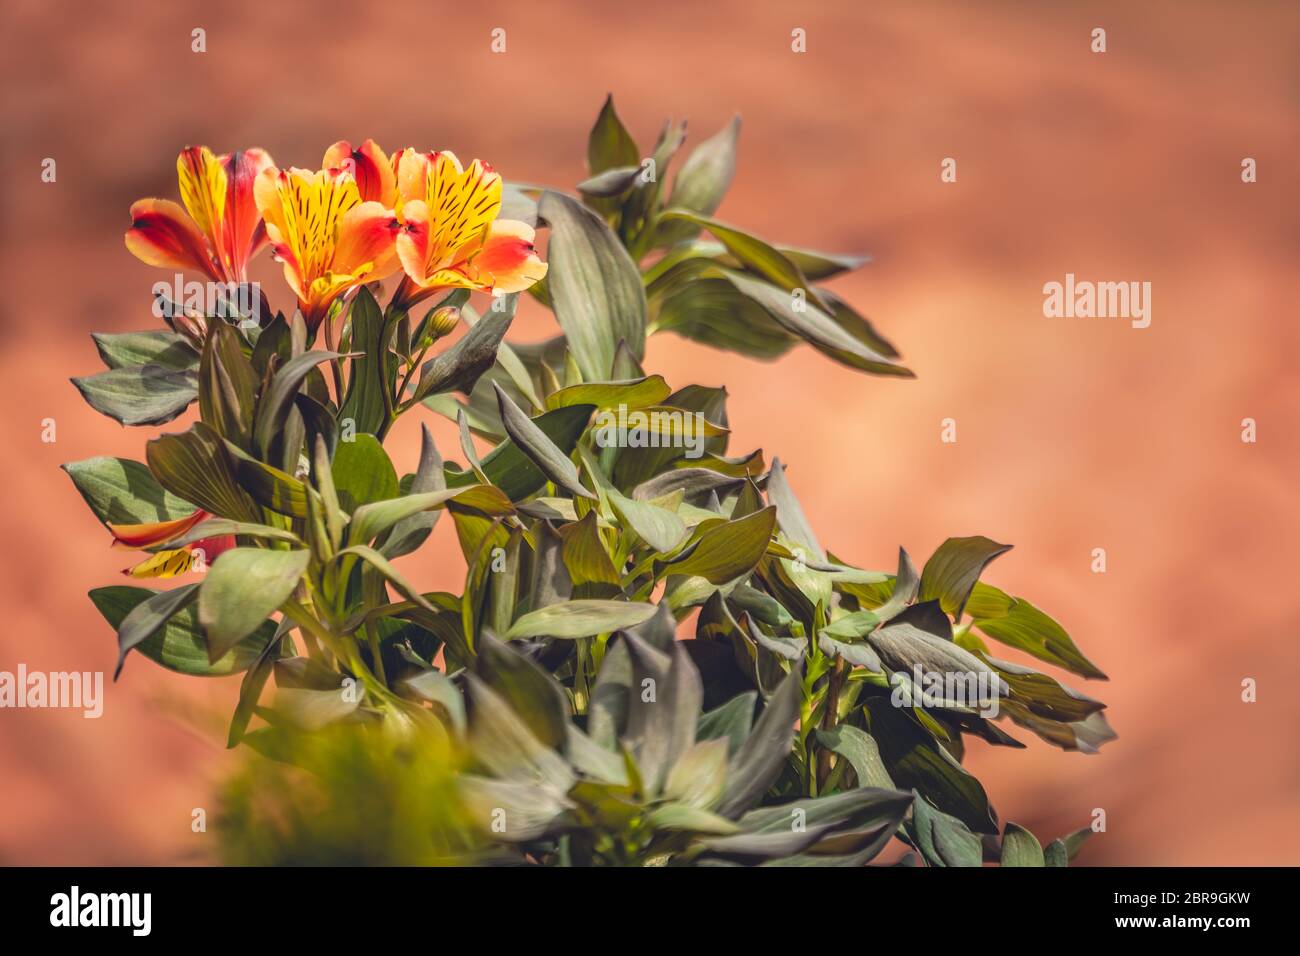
[439,322]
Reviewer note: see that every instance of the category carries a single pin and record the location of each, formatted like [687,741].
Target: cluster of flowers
[362,217]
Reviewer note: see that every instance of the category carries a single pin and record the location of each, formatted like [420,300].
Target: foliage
[548,713]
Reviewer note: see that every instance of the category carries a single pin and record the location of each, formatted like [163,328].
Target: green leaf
[1017,623]
[609,143]
[159,348]
[760,758]
[702,181]
[228,385]
[953,569]
[610,184]
[768,845]
[501,741]
[822,265]
[915,760]
[139,395]
[1074,841]
[268,485]
[658,527]
[856,325]
[1020,847]
[789,513]
[373,519]
[217,527]
[906,585]
[583,618]
[609,147]
[179,644]
[410,532]
[860,750]
[595,286]
[587,560]
[384,567]
[507,467]
[437,688]
[507,358]
[530,439]
[274,406]
[633,393]
[812,324]
[363,472]
[1055,854]
[147,617]
[531,692]
[731,720]
[699,776]
[254,681]
[371,371]
[196,466]
[460,367]
[529,811]
[636,218]
[728,550]
[688,819]
[713,312]
[691,481]
[756,255]
[661,724]
[908,643]
[121,491]
[1043,694]
[243,587]
[942,839]
[866,807]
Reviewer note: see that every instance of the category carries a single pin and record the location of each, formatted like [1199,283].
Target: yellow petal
[203,187]
[164,564]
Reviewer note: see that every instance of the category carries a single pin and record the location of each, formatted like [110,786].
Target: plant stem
[830,717]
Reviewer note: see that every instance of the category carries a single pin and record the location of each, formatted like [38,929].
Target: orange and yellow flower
[329,238]
[370,166]
[219,228]
[451,236]
[169,562]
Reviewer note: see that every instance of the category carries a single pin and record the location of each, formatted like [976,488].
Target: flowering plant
[820,709]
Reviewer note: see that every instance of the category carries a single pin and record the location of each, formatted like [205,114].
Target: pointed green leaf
[583,618]
[728,550]
[121,491]
[139,395]
[953,569]
[179,645]
[242,589]
[196,466]
[1020,847]
[594,285]
[159,348]
[530,439]
[702,181]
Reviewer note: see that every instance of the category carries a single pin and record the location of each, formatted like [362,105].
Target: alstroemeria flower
[329,239]
[370,166]
[169,562]
[218,230]
[452,238]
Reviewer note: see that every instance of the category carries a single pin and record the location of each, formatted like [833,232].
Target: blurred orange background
[1073,434]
